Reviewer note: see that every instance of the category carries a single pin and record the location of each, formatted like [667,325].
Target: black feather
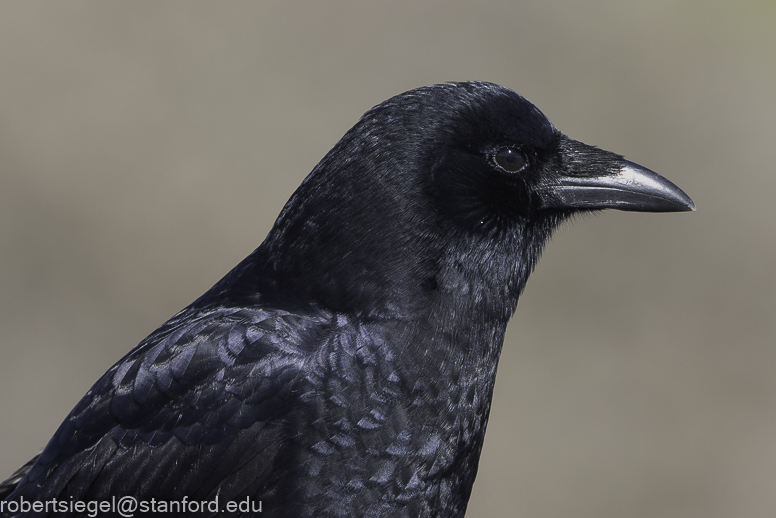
[346,367]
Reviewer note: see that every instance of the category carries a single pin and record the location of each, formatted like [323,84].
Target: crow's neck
[423,277]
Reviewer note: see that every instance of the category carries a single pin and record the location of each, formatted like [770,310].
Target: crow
[346,366]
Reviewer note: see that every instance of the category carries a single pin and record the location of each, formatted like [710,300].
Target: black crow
[346,367]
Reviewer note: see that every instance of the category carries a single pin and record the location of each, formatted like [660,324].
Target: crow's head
[450,188]
[499,162]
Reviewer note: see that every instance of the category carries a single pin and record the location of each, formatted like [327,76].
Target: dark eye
[510,159]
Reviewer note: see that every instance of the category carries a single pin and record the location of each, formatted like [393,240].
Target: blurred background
[146,148]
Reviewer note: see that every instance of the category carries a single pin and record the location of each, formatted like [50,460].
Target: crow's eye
[510,159]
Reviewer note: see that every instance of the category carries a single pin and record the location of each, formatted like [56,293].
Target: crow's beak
[597,179]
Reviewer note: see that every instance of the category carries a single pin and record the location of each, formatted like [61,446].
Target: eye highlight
[510,159]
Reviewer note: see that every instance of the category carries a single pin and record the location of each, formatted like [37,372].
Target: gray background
[146,147]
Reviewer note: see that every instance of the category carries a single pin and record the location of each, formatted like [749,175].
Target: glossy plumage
[346,367]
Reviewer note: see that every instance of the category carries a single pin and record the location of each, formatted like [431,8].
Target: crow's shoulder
[204,398]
